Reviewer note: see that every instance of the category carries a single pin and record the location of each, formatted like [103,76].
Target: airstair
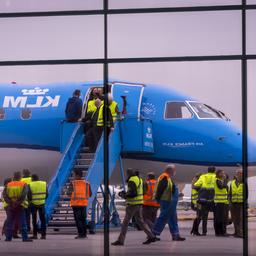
[75,156]
[131,136]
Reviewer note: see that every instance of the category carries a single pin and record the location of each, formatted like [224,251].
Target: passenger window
[2,113]
[26,114]
[177,110]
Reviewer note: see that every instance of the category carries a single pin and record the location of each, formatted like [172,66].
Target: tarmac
[93,245]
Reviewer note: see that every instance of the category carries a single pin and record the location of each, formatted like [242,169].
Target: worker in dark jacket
[134,201]
[74,107]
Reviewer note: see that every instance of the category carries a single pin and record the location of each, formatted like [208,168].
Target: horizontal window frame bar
[127,11]
[127,60]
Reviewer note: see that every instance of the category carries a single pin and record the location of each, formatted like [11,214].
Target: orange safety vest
[14,191]
[148,197]
[80,194]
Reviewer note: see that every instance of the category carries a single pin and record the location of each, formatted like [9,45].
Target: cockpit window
[26,113]
[204,111]
[2,113]
[177,110]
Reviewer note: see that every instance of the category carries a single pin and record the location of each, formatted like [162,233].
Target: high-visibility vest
[100,121]
[80,194]
[220,195]
[167,194]
[38,191]
[139,186]
[91,106]
[148,198]
[14,191]
[237,192]
[206,181]
[27,180]
[112,108]
[194,196]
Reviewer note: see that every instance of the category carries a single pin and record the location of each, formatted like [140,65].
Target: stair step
[62,223]
[82,166]
[61,230]
[66,203]
[85,150]
[83,161]
[64,209]
[62,216]
[87,155]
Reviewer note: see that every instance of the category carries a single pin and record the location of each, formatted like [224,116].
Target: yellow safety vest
[167,194]
[206,181]
[38,191]
[91,106]
[220,195]
[14,191]
[237,192]
[139,185]
[100,121]
[194,196]
[27,180]
[112,108]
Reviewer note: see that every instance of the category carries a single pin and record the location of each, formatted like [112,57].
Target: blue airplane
[184,130]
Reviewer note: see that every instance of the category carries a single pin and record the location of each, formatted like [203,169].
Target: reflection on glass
[251,35]
[48,5]
[167,3]
[175,34]
[51,38]
[251,103]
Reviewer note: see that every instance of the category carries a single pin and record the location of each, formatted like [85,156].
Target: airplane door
[133,94]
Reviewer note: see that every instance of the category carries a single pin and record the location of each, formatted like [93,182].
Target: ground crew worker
[15,195]
[27,179]
[150,205]
[134,202]
[74,107]
[6,181]
[113,108]
[80,191]
[100,121]
[166,193]
[221,204]
[92,135]
[205,187]
[236,197]
[37,195]
[194,205]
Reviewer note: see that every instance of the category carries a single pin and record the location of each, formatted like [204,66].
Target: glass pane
[251,35]
[48,5]
[252,133]
[39,136]
[166,3]
[251,1]
[185,141]
[51,38]
[177,110]
[179,34]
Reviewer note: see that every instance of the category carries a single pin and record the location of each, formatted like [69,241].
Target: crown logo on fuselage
[35,91]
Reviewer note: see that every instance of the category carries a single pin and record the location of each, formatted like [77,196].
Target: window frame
[180,118]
